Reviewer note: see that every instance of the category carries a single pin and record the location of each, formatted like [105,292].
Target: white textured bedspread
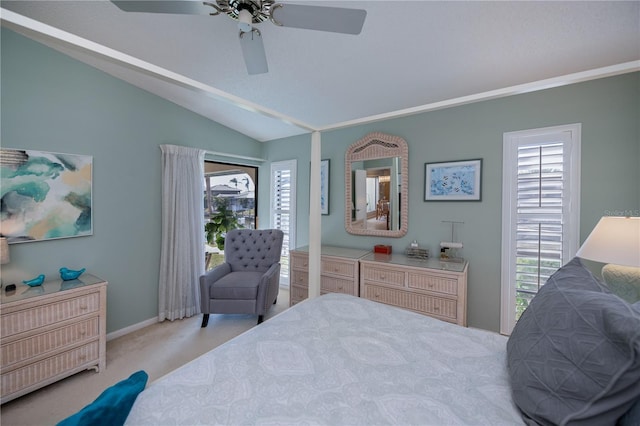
[340,360]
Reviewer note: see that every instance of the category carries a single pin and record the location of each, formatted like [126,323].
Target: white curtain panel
[182,251]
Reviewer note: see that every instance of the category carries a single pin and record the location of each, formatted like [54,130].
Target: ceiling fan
[250,12]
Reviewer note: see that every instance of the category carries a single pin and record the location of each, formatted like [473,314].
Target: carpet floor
[158,349]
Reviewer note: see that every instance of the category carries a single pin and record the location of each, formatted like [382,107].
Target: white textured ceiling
[409,54]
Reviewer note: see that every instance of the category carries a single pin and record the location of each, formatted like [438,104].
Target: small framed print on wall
[324,186]
[453,181]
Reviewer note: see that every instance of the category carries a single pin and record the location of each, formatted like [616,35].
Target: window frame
[570,212]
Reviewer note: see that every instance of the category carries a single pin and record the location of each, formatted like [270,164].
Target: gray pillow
[574,355]
[632,417]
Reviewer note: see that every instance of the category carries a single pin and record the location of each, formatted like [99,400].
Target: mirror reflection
[376,193]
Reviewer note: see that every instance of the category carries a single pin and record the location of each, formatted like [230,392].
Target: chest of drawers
[51,332]
[339,272]
[431,287]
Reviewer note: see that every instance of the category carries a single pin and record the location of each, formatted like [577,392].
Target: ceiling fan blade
[333,19]
[176,7]
[253,52]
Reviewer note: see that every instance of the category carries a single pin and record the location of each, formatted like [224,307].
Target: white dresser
[50,332]
[431,287]
[339,271]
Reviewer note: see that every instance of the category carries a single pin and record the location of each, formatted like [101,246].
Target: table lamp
[616,242]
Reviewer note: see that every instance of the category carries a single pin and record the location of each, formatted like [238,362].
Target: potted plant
[220,223]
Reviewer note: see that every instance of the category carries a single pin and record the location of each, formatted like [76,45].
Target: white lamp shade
[614,240]
[4,251]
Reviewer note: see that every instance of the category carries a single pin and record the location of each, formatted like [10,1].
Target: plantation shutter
[539,230]
[540,219]
[283,210]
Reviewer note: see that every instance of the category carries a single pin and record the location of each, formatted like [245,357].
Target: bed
[573,358]
[336,360]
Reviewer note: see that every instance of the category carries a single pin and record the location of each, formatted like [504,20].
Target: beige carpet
[157,349]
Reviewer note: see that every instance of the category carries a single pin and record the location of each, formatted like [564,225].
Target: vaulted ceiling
[411,56]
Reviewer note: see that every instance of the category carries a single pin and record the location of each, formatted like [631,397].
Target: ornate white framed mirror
[377,186]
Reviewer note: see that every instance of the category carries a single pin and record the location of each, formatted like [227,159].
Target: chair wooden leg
[205,320]
[260,318]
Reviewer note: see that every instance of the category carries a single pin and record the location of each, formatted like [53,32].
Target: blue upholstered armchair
[249,279]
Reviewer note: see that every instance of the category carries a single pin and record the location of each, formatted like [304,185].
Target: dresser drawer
[300,262]
[335,267]
[386,276]
[297,294]
[435,283]
[45,371]
[300,278]
[49,342]
[423,303]
[337,285]
[47,314]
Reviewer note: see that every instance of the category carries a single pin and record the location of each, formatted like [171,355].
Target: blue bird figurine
[69,274]
[35,281]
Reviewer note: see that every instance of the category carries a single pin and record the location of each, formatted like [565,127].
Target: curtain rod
[242,157]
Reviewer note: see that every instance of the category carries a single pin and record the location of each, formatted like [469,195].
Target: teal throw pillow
[112,406]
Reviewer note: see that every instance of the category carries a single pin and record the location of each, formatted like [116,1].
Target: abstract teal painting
[45,195]
[453,181]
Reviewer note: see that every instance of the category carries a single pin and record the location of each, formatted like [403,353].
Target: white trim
[511,142]
[131,328]
[315,217]
[564,80]
[33,28]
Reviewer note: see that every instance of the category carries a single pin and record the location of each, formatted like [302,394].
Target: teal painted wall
[609,110]
[54,103]
[51,102]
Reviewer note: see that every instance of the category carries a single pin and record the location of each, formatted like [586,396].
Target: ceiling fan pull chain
[253,30]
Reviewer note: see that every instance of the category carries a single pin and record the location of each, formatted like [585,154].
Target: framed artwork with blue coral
[453,181]
[45,195]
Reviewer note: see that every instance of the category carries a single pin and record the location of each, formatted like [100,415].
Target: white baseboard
[131,328]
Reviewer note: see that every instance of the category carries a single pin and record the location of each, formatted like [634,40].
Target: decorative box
[381,248]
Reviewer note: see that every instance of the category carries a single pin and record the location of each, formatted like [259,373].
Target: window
[540,212]
[230,199]
[283,209]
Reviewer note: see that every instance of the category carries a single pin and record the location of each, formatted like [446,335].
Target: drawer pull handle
[430,285]
[436,308]
[83,307]
[305,264]
[382,277]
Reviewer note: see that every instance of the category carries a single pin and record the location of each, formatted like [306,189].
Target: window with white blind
[540,212]
[283,209]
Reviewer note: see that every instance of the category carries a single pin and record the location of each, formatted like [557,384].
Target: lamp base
[624,281]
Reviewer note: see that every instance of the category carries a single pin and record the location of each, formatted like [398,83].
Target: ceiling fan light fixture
[245,19]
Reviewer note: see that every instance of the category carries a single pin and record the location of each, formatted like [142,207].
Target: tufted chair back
[253,250]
